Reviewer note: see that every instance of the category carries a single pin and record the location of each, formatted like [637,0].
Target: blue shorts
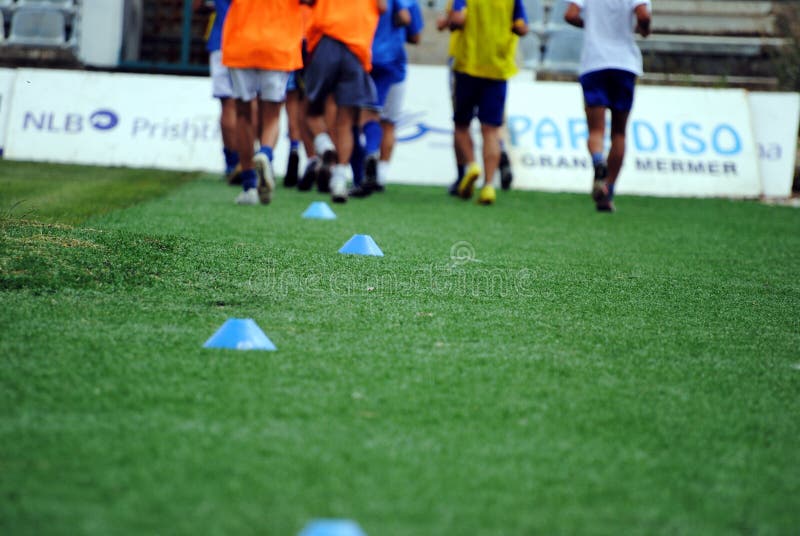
[334,69]
[481,97]
[610,88]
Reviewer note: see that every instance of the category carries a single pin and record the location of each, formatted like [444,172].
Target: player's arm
[642,20]
[443,20]
[458,15]
[401,16]
[382,5]
[519,20]
[414,29]
[573,15]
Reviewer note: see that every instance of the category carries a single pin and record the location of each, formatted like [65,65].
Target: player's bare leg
[596,121]
[465,147]
[616,155]
[491,161]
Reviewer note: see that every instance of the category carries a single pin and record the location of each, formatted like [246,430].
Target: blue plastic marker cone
[240,334]
[332,527]
[319,210]
[361,244]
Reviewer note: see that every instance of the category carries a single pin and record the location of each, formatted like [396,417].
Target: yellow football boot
[487,195]
[467,184]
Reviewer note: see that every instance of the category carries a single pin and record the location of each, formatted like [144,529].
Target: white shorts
[393,107]
[268,85]
[221,86]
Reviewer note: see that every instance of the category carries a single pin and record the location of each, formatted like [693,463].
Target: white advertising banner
[6,88]
[424,151]
[775,119]
[680,142]
[79,117]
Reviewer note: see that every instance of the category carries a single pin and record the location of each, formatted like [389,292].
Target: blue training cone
[332,527]
[319,210]
[361,245]
[240,334]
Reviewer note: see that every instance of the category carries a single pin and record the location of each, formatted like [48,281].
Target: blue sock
[462,170]
[249,179]
[597,158]
[610,192]
[231,158]
[267,150]
[294,145]
[357,158]
[373,134]
[502,146]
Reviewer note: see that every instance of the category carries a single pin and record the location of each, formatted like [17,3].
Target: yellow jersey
[486,47]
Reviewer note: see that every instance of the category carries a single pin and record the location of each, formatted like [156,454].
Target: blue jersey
[388,46]
[215,37]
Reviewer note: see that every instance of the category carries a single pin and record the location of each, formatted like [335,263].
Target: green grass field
[532,368]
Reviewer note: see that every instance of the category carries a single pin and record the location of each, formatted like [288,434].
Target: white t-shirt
[609,38]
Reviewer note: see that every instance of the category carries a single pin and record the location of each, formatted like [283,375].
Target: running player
[483,61]
[260,46]
[610,63]
[340,44]
[221,87]
[389,62]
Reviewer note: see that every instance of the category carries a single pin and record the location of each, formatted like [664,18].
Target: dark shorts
[610,88]
[334,69]
[481,97]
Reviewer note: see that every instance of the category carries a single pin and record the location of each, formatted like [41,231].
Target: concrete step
[712,45]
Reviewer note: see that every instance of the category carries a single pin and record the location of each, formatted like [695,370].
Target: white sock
[340,170]
[322,143]
[383,172]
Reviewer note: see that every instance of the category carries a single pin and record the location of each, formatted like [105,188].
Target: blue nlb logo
[103,119]
[71,123]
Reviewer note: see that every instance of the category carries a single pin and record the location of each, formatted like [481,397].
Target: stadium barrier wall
[6,83]
[681,141]
[776,120]
[148,121]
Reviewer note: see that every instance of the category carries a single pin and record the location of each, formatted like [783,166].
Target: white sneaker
[266,178]
[247,197]
[338,186]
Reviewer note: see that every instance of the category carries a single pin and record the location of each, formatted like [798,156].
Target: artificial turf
[528,368]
